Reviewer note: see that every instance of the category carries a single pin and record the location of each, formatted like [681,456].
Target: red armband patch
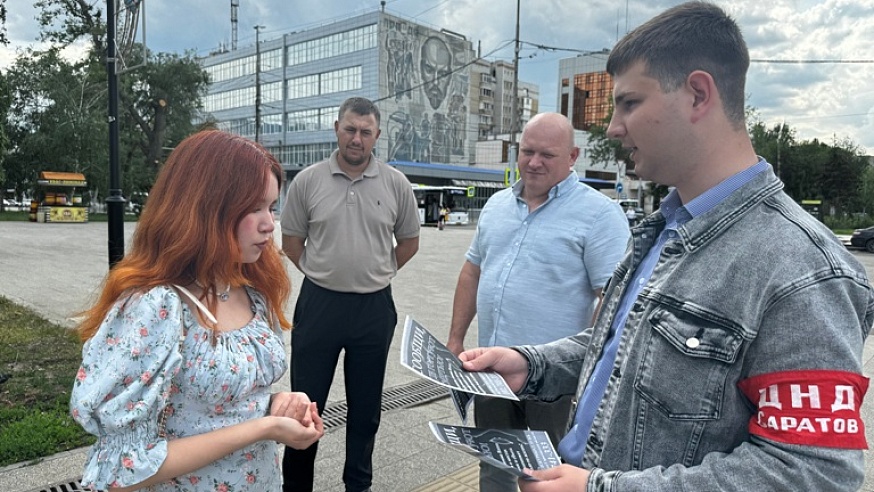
[814,408]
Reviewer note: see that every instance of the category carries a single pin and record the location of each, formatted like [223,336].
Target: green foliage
[40,359]
[65,21]
[14,216]
[27,435]
[866,191]
[604,149]
[838,174]
[5,101]
[3,38]
[58,120]
[848,222]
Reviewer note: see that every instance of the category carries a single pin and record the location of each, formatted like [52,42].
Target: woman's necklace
[222,296]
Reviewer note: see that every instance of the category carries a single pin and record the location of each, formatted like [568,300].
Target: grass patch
[9,215]
[40,360]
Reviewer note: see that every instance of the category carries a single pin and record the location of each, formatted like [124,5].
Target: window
[332,45]
[237,98]
[271,60]
[345,79]
[232,69]
[308,120]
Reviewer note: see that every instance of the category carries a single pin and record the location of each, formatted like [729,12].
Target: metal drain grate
[72,486]
[394,398]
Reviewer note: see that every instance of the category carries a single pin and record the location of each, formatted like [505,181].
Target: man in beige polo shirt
[339,224]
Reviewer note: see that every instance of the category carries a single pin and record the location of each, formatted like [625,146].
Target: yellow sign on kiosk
[59,199]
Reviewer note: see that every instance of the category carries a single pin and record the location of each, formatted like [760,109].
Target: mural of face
[436,69]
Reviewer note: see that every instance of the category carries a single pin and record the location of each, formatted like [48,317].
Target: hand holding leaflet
[423,354]
[511,450]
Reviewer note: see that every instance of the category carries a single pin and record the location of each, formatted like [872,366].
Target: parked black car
[863,238]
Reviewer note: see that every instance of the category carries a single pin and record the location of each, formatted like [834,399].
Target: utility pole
[235,4]
[115,201]
[514,111]
[257,84]
[779,143]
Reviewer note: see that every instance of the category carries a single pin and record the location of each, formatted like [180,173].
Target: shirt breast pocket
[686,362]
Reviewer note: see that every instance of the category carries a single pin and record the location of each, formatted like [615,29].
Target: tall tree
[158,100]
[3,38]
[5,101]
[56,118]
[161,99]
[842,175]
[605,150]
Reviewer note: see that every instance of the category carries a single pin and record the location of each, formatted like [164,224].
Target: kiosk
[59,198]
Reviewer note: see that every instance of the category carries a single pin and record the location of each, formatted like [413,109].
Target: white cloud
[820,100]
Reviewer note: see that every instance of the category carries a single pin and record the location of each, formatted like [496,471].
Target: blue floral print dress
[136,364]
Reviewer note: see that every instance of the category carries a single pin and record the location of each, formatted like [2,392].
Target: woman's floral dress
[136,364]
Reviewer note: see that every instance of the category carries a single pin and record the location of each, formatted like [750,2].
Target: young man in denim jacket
[728,351]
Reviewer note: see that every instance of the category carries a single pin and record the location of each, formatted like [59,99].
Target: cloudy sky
[820,100]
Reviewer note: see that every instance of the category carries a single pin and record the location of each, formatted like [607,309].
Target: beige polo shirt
[349,224]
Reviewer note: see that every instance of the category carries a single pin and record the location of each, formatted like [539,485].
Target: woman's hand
[293,405]
[294,433]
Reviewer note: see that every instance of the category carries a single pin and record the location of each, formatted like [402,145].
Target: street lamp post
[258,84]
[115,201]
[514,111]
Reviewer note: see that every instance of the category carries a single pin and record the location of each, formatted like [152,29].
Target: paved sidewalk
[56,268]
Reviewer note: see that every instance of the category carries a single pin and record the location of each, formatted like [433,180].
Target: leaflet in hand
[511,450]
[422,353]
[462,401]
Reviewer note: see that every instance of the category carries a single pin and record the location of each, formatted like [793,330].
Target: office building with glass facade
[285,92]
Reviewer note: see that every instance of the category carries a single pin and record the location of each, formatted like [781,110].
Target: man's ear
[704,93]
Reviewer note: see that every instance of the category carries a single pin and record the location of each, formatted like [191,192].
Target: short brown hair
[691,36]
[359,105]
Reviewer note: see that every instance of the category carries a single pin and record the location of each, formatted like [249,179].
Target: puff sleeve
[124,384]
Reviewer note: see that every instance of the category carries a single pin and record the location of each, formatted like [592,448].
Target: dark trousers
[362,325]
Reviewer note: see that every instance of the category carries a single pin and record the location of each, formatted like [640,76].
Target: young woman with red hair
[184,341]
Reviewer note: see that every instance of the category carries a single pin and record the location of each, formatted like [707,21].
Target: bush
[848,221]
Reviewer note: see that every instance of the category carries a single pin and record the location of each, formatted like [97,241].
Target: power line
[752,60]
[572,50]
[801,61]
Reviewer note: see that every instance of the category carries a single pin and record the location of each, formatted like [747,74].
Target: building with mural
[285,92]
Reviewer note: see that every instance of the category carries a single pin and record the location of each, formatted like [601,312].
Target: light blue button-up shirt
[572,447]
[538,270]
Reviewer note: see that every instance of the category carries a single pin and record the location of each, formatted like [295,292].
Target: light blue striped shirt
[572,447]
[538,270]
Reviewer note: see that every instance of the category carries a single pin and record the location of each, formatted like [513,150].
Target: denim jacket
[762,287]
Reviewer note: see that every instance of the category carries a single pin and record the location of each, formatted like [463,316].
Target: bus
[432,199]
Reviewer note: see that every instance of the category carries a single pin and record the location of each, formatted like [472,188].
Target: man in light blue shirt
[542,252]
